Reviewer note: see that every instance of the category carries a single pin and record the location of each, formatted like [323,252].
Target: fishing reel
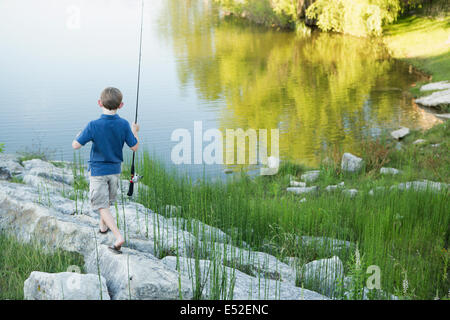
[136,178]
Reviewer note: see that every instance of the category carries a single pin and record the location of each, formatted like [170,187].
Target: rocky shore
[157,261]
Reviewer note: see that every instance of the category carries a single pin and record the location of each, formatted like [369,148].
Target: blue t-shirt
[108,134]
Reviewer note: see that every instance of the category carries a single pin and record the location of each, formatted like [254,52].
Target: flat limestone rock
[350,192]
[400,133]
[302,190]
[240,286]
[419,141]
[65,286]
[323,275]
[421,186]
[440,85]
[310,176]
[9,166]
[435,99]
[137,276]
[392,171]
[294,183]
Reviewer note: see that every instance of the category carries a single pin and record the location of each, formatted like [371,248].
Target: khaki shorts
[103,191]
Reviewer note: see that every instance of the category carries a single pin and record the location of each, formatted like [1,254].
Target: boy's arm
[75,144]
[82,137]
[135,130]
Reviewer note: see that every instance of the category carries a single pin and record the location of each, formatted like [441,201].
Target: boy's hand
[135,128]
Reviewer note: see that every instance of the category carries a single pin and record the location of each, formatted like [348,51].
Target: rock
[351,163]
[399,146]
[350,192]
[297,184]
[238,285]
[323,275]
[421,186]
[392,171]
[443,116]
[334,187]
[49,218]
[9,166]
[400,133]
[38,167]
[203,231]
[65,286]
[435,145]
[302,190]
[419,141]
[137,276]
[441,85]
[253,263]
[303,200]
[435,99]
[310,176]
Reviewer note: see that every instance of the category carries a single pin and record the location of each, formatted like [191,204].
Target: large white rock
[38,167]
[435,99]
[294,183]
[419,141]
[203,231]
[65,286]
[9,166]
[421,186]
[238,285]
[400,133]
[137,276]
[350,192]
[253,262]
[302,190]
[440,85]
[392,171]
[334,187]
[351,163]
[323,275]
[310,176]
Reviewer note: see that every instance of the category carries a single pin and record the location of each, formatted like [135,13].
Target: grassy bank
[18,260]
[405,233]
[423,42]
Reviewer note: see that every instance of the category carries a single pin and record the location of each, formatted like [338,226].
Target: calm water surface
[322,92]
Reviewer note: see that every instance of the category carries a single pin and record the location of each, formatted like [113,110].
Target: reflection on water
[320,91]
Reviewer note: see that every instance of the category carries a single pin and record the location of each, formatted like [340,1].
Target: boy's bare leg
[107,218]
[103,226]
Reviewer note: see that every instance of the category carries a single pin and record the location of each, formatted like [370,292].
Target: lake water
[321,92]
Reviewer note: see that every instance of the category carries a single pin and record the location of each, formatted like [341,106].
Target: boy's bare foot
[118,244]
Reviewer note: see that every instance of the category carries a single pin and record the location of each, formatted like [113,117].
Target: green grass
[423,42]
[404,233]
[18,260]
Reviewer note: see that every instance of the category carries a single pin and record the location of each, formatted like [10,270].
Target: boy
[108,135]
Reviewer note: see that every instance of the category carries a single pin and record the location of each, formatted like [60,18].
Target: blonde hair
[111,98]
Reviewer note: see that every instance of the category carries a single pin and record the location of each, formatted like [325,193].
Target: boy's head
[111,99]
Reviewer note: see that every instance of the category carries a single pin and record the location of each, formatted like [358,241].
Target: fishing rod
[134,179]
